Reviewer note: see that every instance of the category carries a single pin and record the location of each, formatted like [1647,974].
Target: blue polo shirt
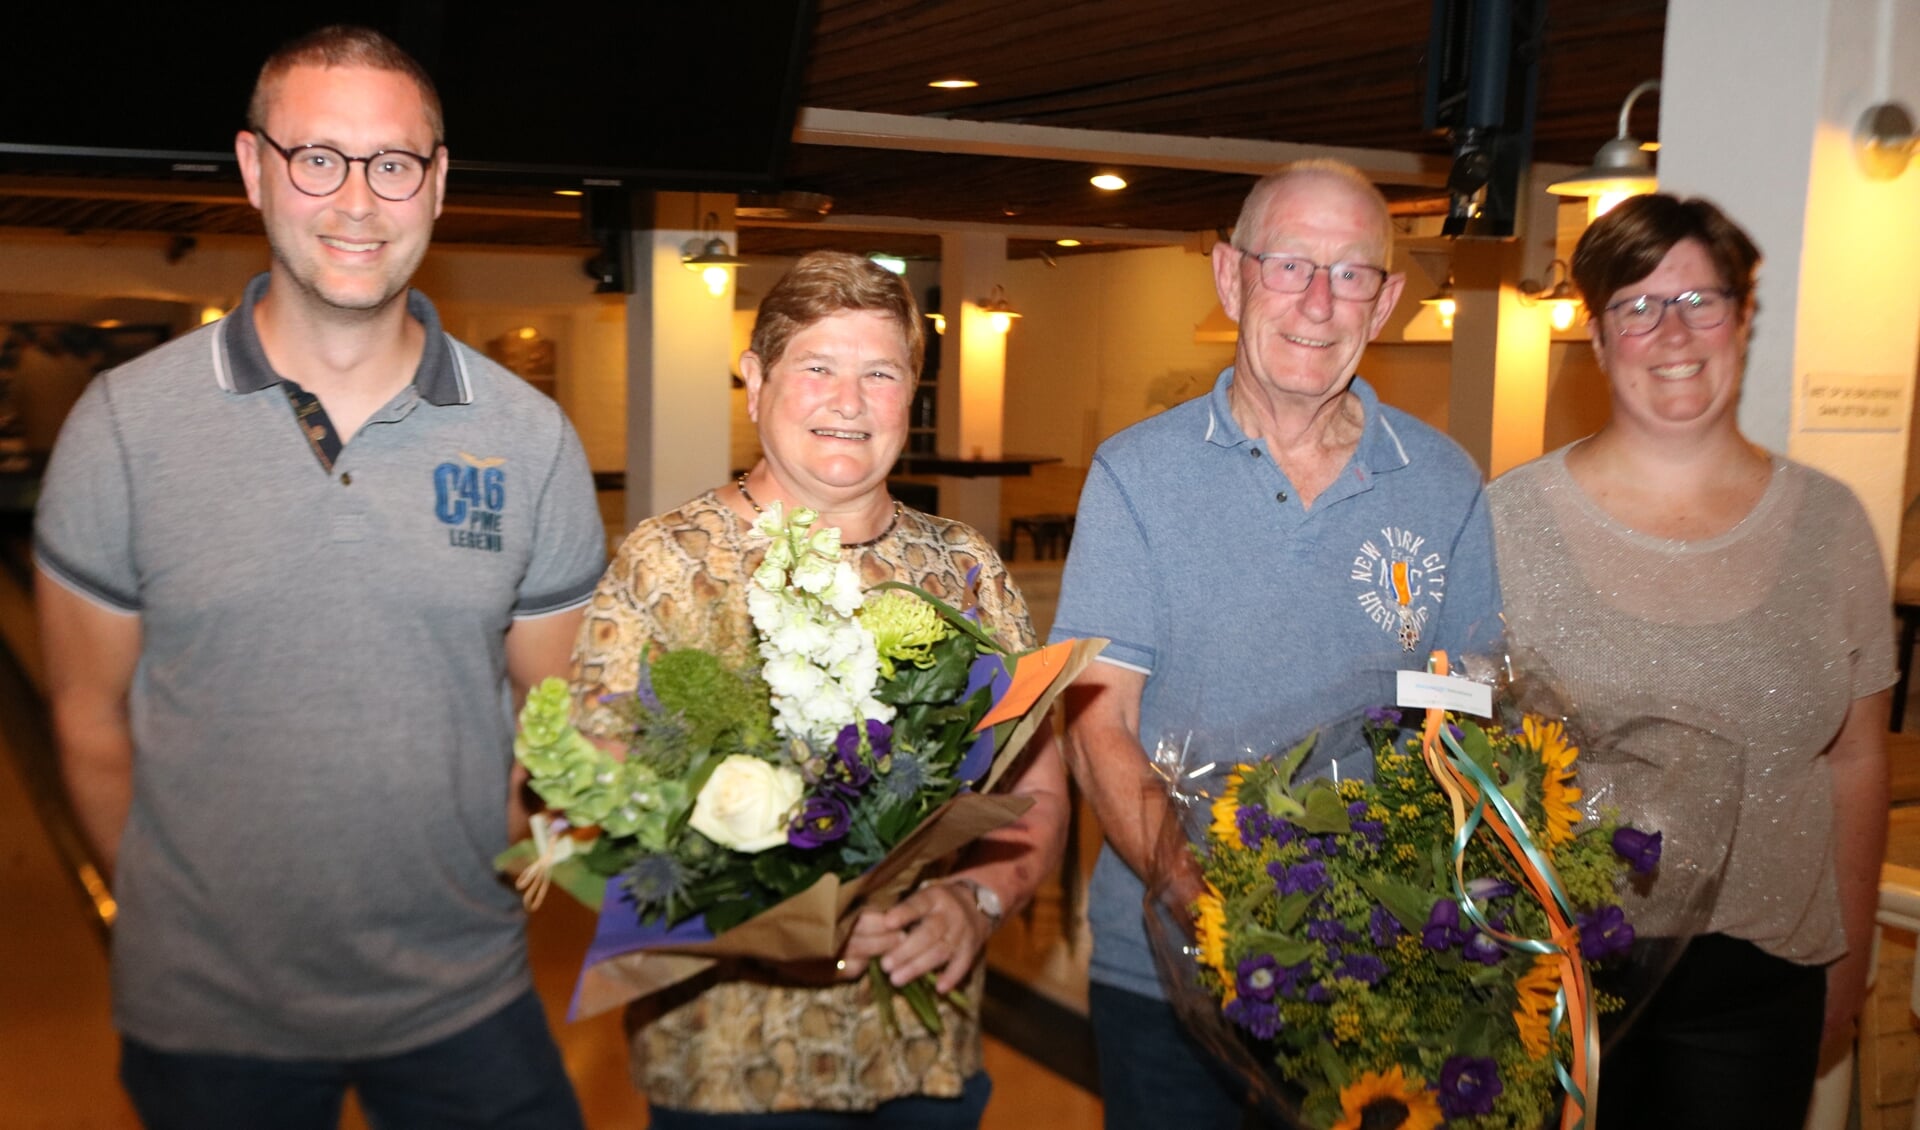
[1257,620]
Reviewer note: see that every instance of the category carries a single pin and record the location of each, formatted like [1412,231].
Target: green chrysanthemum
[904,629]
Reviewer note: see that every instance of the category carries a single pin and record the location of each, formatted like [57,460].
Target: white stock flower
[814,574]
[844,596]
[791,676]
[747,804]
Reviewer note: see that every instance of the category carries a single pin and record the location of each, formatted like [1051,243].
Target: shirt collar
[241,365]
[1380,448]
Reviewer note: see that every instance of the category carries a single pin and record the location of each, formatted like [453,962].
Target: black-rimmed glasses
[1699,309]
[321,170]
[1291,274]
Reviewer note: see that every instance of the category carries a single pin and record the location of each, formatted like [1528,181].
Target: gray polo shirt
[1257,620]
[319,712]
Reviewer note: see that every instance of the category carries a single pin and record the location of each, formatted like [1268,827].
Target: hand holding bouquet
[1415,949]
[752,813]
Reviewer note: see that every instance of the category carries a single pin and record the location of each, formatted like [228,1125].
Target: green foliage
[1386,849]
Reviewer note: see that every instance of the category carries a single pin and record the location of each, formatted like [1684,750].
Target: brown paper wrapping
[813,925]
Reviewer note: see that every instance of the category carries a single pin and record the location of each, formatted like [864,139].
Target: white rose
[747,804]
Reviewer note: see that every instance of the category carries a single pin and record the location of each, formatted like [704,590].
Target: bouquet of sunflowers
[752,813]
[1415,948]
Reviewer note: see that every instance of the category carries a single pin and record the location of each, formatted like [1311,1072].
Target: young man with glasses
[1263,560]
[290,565]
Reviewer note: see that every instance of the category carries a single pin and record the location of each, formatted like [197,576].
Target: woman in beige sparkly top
[835,355]
[1672,576]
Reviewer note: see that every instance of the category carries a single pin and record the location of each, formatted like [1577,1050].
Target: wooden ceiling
[1315,72]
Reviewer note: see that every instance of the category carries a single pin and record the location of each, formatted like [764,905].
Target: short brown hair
[824,283]
[343,45]
[1628,243]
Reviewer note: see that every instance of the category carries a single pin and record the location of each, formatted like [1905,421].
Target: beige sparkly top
[735,1040]
[1685,655]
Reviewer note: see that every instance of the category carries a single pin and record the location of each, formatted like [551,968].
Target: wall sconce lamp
[1000,312]
[1443,303]
[1885,141]
[939,323]
[708,254]
[1621,168]
[1559,294]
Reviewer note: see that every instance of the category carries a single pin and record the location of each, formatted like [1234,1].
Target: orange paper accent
[1033,673]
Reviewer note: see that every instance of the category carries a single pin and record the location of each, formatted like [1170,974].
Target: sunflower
[1557,794]
[1387,1101]
[1226,812]
[1210,918]
[1539,988]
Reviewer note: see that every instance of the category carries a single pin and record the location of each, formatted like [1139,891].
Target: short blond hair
[1325,168]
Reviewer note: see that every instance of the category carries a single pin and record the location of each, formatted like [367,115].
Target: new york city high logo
[468,497]
[1402,583]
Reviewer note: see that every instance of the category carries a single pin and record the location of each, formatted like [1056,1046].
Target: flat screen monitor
[642,93]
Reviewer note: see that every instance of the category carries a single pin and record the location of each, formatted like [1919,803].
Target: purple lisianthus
[1483,949]
[1300,878]
[1640,849]
[1383,926]
[1468,1086]
[858,770]
[1459,735]
[822,820]
[1258,977]
[1362,967]
[1383,716]
[1485,889]
[1261,1019]
[1605,933]
[1442,931]
[1318,993]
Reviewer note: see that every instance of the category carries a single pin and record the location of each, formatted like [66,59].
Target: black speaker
[1483,61]
[608,215]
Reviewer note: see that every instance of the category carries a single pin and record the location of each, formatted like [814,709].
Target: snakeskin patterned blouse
[736,1040]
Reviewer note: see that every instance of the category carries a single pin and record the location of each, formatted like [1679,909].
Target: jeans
[503,1073]
[1153,1075]
[1731,1039]
[909,1113]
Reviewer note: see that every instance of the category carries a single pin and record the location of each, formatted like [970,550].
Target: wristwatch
[985,898]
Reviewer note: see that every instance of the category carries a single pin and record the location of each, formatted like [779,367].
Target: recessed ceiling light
[1109,181]
[566,192]
[953,84]
[1066,243]
[891,262]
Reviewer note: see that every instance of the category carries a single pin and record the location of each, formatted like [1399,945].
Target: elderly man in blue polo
[1263,558]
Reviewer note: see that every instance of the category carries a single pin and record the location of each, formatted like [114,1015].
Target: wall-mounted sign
[1853,402]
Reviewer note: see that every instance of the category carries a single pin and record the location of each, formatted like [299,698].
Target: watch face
[986,898]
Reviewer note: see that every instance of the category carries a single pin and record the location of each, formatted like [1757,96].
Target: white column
[678,368]
[1758,103]
[973,375]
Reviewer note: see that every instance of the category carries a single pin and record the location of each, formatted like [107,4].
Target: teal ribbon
[1490,794]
